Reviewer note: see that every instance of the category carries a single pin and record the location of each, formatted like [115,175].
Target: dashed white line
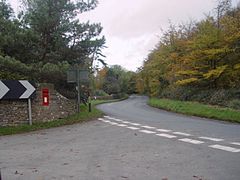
[126,122]
[147,132]
[148,127]
[225,148]
[211,139]
[166,135]
[133,128]
[135,124]
[118,120]
[181,133]
[107,117]
[113,123]
[191,141]
[121,125]
[163,130]
[106,121]
[235,143]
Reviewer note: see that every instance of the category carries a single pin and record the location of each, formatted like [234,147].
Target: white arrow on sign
[29,91]
[3,89]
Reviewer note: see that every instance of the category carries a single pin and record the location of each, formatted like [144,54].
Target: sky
[133,27]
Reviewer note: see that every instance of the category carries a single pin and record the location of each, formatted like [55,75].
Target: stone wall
[16,112]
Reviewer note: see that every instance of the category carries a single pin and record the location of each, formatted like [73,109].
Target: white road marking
[107,117]
[235,143]
[181,133]
[211,139]
[148,127]
[113,123]
[118,120]
[115,119]
[166,135]
[147,132]
[225,148]
[163,130]
[191,141]
[133,128]
[106,121]
[110,117]
[121,125]
[126,122]
[135,124]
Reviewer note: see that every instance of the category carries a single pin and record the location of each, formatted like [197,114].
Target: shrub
[178,93]
[100,93]
[235,104]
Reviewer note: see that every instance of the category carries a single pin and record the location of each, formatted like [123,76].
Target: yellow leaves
[140,85]
[237,66]
[186,81]
[215,73]
[206,53]
[230,27]
[173,56]
[189,72]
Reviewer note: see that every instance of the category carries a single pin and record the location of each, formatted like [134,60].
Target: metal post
[89,104]
[78,89]
[29,111]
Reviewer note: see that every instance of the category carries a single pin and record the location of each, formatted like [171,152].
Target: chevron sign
[13,89]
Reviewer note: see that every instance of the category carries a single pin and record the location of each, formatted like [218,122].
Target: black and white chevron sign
[13,89]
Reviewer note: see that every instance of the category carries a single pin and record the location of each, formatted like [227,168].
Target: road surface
[132,142]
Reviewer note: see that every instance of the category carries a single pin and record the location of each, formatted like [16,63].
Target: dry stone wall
[16,112]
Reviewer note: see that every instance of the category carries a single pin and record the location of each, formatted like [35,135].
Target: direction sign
[74,75]
[14,89]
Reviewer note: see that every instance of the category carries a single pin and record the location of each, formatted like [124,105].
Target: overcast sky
[132,27]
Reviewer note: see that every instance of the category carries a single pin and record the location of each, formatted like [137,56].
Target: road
[132,142]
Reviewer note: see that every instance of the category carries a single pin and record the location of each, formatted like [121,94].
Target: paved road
[133,141]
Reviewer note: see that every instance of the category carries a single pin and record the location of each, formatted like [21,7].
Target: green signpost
[78,76]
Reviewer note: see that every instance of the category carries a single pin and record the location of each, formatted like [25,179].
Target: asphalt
[131,142]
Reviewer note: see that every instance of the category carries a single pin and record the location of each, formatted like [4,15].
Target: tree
[115,80]
[61,36]
[48,37]
[198,56]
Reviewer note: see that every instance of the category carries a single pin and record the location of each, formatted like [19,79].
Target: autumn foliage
[196,58]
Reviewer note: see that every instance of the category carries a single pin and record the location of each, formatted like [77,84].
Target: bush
[100,93]
[235,104]
[202,96]
[178,93]
[222,97]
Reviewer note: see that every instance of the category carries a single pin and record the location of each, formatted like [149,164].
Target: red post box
[45,97]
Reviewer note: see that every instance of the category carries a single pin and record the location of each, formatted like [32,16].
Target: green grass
[84,115]
[196,109]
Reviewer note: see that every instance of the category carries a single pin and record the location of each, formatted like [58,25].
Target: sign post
[29,111]
[78,76]
[78,92]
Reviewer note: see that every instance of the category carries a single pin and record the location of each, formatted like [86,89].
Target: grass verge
[197,109]
[76,118]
